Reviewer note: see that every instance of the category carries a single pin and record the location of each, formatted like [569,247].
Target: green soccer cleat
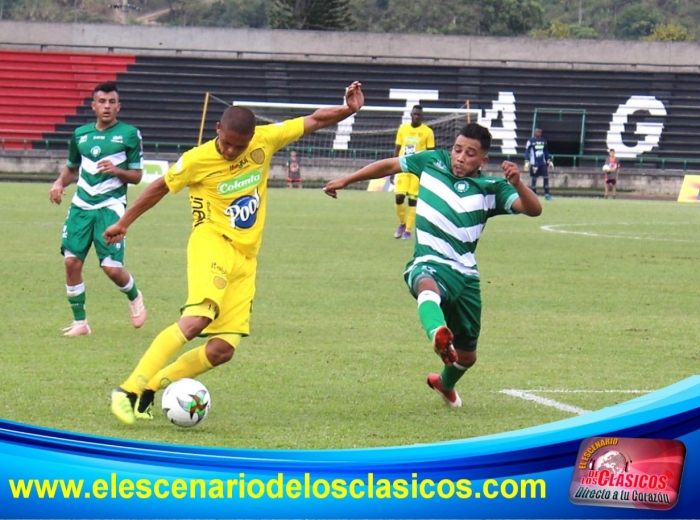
[122,405]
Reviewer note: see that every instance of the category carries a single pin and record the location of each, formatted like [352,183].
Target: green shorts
[461,300]
[84,227]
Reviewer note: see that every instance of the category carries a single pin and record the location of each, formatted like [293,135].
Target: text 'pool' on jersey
[243,211]
[239,184]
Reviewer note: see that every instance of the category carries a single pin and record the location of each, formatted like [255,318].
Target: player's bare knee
[219,351]
[424,282]
[193,326]
[117,274]
[400,199]
[466,350]
[466,359]
[412,202]
[73,265]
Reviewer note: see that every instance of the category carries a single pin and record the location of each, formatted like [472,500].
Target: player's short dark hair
[478,132]
[417,107]
[106,87]
[238,119]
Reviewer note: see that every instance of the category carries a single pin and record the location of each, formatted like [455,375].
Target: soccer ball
[606,168]
[186,402]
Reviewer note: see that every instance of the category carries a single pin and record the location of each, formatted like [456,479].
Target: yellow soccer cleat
[122,405]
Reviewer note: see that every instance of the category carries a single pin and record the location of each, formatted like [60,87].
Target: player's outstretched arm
[375,170]
[327,116]
[528,203]
[148,198]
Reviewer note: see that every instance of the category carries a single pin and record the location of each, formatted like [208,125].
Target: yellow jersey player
[227,181]
[411,138]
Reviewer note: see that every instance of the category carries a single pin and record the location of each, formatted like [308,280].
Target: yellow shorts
[218,272]
[407,184]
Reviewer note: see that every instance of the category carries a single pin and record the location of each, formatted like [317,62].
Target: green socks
[429,312]
[450,375]
[130,289]
[76,298]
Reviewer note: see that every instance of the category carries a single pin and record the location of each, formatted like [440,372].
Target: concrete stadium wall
[43,169]
[243,43]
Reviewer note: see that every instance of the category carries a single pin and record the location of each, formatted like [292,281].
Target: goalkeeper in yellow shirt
[411,138]
[227,181]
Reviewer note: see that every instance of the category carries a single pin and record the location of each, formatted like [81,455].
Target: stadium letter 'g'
[650,130]
[243,211]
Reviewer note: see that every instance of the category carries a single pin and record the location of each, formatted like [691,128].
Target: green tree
[236,13]
[670,32]
[35,10]
[635,22]
[318,15]
[510,17]
[425,16]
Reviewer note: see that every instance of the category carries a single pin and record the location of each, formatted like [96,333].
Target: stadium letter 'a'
[650,130]
[505,105]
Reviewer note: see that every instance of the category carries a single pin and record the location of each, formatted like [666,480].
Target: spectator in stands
[227,181]
[410,138]
[443,276]
[293,170]
[537,162]
[103,157]
[610,170]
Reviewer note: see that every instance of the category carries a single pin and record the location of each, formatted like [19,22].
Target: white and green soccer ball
[186,402]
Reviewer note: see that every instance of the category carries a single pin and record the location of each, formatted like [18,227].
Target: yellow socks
[410,218]
[190,364]
[165,346]
[401,212]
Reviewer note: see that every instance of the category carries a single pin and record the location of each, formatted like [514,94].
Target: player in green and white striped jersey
[103,157]
[454,202]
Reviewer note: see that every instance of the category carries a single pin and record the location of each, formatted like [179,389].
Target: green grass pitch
[591,304]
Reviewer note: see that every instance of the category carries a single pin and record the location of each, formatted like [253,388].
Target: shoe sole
[138,323]
[69,335]
[442,344]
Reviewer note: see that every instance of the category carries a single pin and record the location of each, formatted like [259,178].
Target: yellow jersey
[228,195]
[413,140]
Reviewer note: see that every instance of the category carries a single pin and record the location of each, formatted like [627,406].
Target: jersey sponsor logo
[238,165]
[258,156]
[243,211]
[219,282]
[117,139]
[98,137]
[440,165]
[239,184]
[461,186]
[83,139]
[409,149]
[95,151]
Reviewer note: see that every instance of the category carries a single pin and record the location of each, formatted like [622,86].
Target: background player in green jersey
[103,157]
[454,202]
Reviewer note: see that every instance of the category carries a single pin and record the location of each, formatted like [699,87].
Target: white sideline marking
[554,228]
[561,391]
[529,395]
[522,394]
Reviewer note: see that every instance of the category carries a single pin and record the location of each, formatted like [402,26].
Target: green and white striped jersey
[452,211]
[121,144]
